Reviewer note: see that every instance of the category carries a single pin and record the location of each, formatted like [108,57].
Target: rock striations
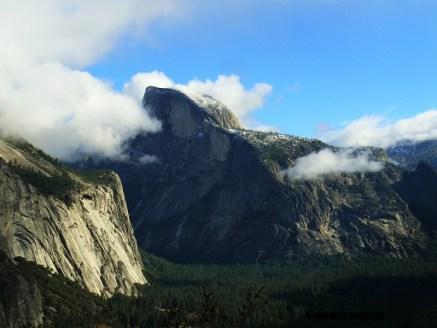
[216,193]
[75,225]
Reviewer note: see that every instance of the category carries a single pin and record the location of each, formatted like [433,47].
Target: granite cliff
[74,224]
[214,192]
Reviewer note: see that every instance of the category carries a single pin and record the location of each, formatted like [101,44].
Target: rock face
[216,194]
[419,190]
[218,112]
[75,225]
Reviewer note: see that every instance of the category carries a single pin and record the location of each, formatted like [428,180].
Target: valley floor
[326,292]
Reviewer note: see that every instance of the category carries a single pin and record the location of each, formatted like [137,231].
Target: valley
[237,242]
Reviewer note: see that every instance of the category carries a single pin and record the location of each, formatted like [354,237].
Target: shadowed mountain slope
[215,193]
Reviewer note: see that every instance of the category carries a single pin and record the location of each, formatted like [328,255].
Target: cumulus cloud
[75,33]
[227,89]
[329,162]
[68,112]
[230,91]
[378,131]
[46,97]
[140,81]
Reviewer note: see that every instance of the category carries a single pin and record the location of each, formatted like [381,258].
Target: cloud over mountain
[329,162]
[228,89]
[69,112]
[46,97]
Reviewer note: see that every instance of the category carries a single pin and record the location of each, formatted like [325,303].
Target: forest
[322,292]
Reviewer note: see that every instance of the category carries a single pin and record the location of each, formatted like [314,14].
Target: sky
[352,73]
[328,62]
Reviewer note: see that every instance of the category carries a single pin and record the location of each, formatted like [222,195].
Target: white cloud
[328,162]
[227,89]
[140,81]
[230,91]
[45,98]
[46,95]
[67,111]
[265,128]
[77,32]
[378,131]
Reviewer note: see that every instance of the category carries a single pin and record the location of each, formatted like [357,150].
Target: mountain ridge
[216,194]
[410,153]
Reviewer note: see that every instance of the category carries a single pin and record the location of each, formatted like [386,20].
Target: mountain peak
[219,112]
[185,116]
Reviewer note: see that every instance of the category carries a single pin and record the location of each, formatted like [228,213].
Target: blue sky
[351,72]
[329,62]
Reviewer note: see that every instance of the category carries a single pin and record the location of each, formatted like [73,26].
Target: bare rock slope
[72,224]
[216,193]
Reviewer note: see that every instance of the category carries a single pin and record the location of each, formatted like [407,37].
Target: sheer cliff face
[215,193]
[80,228]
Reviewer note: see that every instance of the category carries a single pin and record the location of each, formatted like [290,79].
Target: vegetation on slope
[328,292]
[61,180]
[29,149]
[64,302]
[58,185]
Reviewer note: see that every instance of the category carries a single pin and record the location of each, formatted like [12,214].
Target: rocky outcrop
[192,116]
[72,224]
[218,112]
[216,194]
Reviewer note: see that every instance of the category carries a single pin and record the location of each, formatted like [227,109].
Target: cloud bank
[378,131]
[227,89]
[45,97]
[69,112]
[75,33]
[328,162]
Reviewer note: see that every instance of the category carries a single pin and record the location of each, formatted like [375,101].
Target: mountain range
[204,189]
[410,153]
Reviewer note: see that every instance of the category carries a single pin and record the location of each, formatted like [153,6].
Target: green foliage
[35,152]
[101,177]
[58,185]
[65,303]
[91,176]
[267,295]
[280,294]
[276,154]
